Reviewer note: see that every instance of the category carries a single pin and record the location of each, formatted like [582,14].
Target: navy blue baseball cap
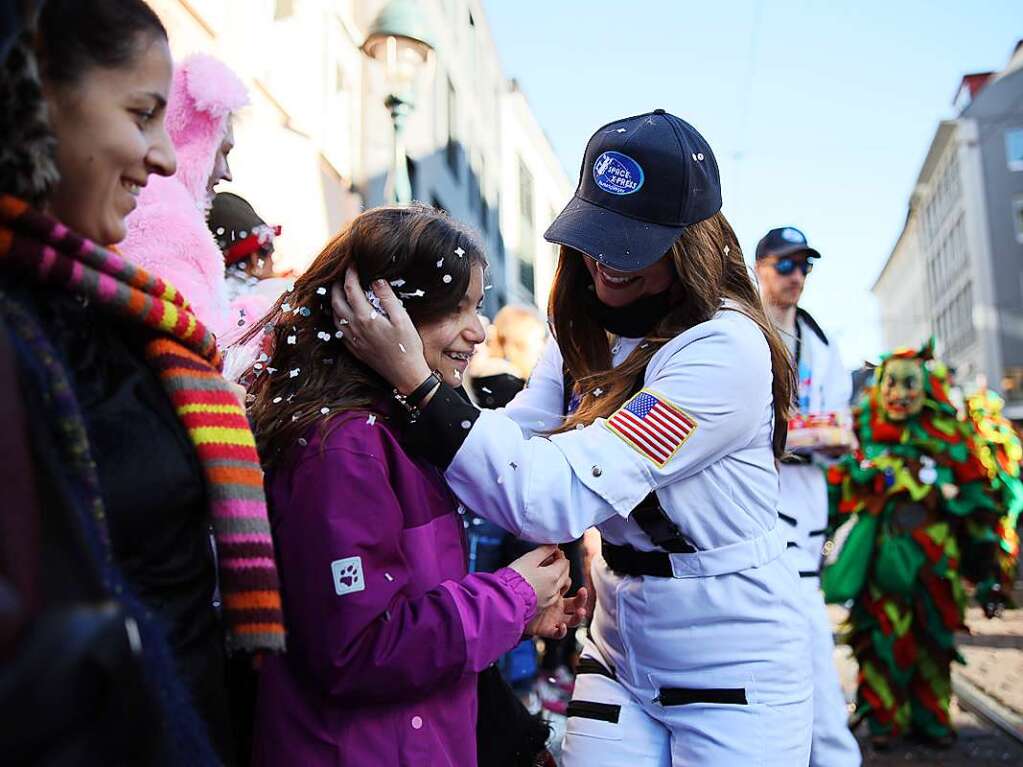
[643,180]
[784,241]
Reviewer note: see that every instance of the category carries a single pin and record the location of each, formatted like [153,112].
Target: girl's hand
[545,568]
[389,343]
[556,620]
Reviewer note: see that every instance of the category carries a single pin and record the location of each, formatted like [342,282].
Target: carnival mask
[902,388]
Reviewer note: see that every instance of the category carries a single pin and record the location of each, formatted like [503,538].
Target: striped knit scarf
[184,355]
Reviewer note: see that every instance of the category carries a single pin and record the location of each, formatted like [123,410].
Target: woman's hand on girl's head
[389,342]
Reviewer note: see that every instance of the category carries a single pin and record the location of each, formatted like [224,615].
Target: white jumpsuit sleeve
[552,489]
[540,406]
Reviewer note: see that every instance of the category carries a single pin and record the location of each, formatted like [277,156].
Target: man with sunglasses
[784,260]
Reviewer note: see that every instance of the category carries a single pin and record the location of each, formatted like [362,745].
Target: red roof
[973,84]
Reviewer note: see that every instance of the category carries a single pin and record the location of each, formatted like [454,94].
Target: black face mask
[634,320]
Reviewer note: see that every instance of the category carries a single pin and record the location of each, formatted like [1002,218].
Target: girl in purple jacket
[386,630]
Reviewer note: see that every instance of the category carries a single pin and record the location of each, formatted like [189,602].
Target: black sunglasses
[786,266]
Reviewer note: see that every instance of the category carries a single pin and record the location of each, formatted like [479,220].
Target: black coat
[155,505]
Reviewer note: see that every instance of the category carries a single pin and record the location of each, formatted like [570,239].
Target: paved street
[994,653]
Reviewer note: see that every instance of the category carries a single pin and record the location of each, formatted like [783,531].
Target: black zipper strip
[589,665]
[822,531]
[588,709]
[791,545]
[681,696]
[786,518]
[809,573]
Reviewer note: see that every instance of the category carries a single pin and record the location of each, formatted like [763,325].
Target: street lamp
[400,40]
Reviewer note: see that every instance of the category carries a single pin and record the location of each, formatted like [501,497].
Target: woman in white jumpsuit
[656,415]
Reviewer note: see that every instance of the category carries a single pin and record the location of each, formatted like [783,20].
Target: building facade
[960,255]
[315,147]
[902,286]
[534,189]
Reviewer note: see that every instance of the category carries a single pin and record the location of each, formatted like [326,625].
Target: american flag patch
[652,425]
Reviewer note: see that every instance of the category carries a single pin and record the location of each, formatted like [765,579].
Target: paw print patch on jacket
[347,575]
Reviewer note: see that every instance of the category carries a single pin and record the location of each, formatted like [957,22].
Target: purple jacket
[386,631]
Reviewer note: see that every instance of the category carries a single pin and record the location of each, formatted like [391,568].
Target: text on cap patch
[617,173]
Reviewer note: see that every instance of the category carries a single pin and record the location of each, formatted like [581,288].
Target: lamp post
[399,39]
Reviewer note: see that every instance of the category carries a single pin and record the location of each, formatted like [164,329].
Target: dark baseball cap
[643,180]
[784,241]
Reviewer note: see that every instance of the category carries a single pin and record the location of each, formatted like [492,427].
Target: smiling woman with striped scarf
[145,497]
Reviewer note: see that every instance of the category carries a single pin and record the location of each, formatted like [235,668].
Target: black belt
[626,560]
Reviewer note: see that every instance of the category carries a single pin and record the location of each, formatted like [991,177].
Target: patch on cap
[617,173]
[793,235]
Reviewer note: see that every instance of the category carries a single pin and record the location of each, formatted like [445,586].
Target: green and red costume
[1001,452]
[922,517]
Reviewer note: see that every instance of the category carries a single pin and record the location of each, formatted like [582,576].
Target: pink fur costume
[167,232]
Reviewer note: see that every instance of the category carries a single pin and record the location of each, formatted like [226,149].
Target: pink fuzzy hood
[167,233]
[204,93]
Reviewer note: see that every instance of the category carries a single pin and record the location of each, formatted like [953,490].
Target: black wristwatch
[412,400]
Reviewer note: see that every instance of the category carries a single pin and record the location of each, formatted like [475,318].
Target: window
[283,9]
[527,232]
[525,194]
[413,170]
[451,148]
[1014,148]
[1017,216]
[484,208]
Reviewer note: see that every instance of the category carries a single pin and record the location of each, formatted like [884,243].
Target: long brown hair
[309,369]
[709,265]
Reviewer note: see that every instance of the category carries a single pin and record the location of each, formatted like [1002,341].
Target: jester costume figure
[921,516]
[1001,453]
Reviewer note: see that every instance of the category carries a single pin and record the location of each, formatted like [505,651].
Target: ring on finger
[342,321]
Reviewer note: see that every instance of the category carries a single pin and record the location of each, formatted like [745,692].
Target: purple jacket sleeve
[382,639]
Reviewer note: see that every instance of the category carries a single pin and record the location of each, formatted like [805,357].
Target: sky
[819,113]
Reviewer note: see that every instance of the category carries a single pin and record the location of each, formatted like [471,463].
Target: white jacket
[825,386]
